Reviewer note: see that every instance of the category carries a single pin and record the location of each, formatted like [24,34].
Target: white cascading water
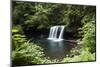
[54,34]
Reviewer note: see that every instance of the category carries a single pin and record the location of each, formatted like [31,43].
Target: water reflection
[56,49]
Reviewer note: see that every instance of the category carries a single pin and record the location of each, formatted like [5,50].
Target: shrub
[85,55]
[29,53]
[88,33]
[17,38]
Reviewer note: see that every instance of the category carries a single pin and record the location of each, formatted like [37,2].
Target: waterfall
[56,33]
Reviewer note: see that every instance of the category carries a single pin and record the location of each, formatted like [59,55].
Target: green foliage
[28,53]
[15,30]
[44,15]
[88,33]
[17,38]
[85,55]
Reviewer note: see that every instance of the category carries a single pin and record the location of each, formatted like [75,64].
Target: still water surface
[55,49]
